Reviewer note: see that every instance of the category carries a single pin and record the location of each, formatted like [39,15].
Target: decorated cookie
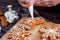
[18,33]
[51,33]
[34,21]
[3,19]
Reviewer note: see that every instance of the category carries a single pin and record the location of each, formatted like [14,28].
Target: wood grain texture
[36,35]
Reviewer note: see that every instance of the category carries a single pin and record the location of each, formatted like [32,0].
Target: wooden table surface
[22,20]
[19,22]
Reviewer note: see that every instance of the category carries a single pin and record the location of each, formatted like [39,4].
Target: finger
[42,3]
[24,3]
[48,3]
[39,3]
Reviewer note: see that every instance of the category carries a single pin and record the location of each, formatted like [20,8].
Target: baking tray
[5,29]
[16,7]
[21,21]
[23,12]
[34,30]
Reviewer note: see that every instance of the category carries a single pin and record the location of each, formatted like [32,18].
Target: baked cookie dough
[3,19]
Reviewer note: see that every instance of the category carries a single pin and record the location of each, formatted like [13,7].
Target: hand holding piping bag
[26,3]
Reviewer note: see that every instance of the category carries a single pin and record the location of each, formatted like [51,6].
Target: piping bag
[31,11]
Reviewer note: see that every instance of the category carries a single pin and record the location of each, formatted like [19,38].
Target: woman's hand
[47,3]
[26,3]
[43,3]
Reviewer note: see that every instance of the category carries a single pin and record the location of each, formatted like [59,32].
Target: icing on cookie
[51,33]
[0,28]
[44,39]
[18,33]
[34,21]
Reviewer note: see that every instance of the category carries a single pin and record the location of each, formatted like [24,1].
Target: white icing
[29,20]
[15,27]
[44,39]
[52,31]
[49,31]
[31,10]
[0,28]
[18,39]
[11,14]
[18,33]
[24,26]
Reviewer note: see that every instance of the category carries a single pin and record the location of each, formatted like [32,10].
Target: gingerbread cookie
[50,34]
[34,21]
[3,19]
[18,33]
